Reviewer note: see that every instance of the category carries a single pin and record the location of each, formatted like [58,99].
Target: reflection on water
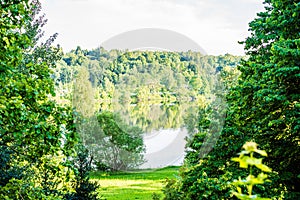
[164,129]
[152,117]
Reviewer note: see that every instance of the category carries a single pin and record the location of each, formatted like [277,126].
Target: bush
[84,188]
[102,167]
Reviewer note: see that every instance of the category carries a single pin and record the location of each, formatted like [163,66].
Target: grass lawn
[140,184]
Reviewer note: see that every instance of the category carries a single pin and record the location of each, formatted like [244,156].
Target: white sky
[216,25]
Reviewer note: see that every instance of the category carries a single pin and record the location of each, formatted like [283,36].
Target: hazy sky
[215,25]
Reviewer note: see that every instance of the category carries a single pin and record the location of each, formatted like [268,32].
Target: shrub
[84,188]
[247,160]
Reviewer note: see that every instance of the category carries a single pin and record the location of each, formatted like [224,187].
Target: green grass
[140,184]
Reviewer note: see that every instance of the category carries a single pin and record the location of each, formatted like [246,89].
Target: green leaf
[6,40]
[239,189]
[263,167]
[261,152]
[243,163]
[236,159]
[262,176]
[253,161]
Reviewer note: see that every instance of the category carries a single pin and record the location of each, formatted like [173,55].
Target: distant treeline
[135,76]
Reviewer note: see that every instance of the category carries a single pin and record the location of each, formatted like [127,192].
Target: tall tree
[32,126]
[266,103]
[264,107]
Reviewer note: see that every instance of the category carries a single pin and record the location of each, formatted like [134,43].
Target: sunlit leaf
[261,152]
[263,167]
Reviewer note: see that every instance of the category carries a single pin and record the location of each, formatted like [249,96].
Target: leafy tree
[197,133]
[83,94]
[263,107]
[123,144]
[30,121]
[267,97]
[32,126]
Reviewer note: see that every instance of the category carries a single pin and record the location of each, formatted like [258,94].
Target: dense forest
[144,75]
[63,115]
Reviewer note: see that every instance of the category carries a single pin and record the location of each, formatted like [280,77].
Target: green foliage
[83,99]
[30,121]
[123,146]
[171,190]
[8,169]
[196,138]
[198,182]
[156,196]
[246,161]
[34,131]
[263,107]
[143,76]
[151,90]
[264,104]
[84,188]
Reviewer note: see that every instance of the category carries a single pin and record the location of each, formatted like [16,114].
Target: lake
[164,129]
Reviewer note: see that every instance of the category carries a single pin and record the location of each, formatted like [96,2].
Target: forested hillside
[139,76]
[149,90]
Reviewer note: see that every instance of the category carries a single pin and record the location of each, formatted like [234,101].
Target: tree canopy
[263,106]
[36,134]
